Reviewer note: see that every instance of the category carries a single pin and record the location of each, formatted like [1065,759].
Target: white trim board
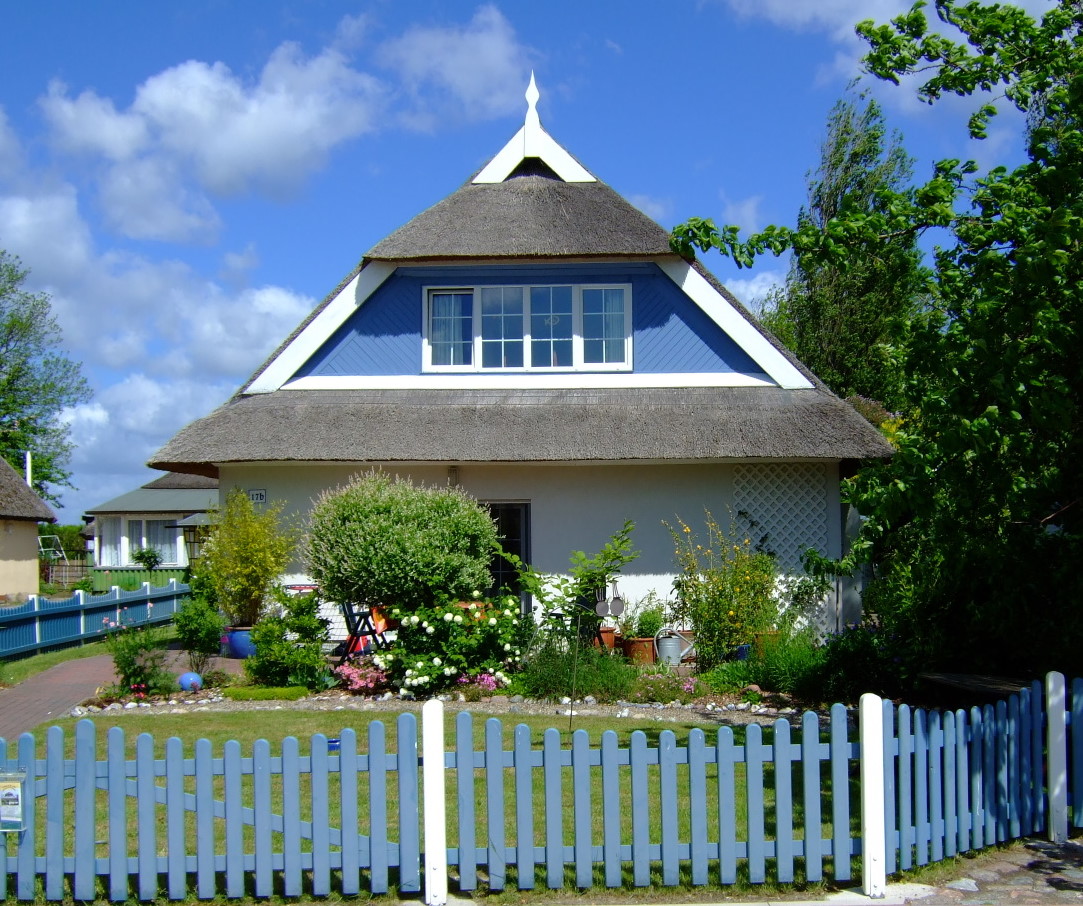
[530,381]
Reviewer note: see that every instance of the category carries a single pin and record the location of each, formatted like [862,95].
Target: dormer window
[529,328]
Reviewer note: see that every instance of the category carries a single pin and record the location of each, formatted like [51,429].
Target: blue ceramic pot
[240,643]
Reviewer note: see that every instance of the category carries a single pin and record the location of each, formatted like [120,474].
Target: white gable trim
[530,381]
[533,141]
[352,296]
[719,310]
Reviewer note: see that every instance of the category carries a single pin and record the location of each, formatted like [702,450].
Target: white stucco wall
[578,507]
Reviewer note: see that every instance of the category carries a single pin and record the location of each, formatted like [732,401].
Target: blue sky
[188,179]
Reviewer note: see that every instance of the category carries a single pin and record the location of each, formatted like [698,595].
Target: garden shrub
[863,658]
[362,676]
[138,655]
[265,693]
[725,588]
[436,645]
[656,685]
[792,665]
[199,629]
[729,676]
[246,550]
[382,541]
[561,667]
[289,645]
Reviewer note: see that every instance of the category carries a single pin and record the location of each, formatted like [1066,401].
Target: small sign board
[258,495]
[12,793]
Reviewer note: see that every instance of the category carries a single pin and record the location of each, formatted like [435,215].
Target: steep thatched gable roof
[533,202]
[18,501]
[527,216]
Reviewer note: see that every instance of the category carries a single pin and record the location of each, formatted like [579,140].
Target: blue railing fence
[41,624]
[822,800]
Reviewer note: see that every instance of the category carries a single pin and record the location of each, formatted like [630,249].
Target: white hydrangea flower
[429,630]
[436,662]
[448,617]
[492,621]
[458,618]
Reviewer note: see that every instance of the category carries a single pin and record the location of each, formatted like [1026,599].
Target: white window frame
[129,544]
[578,365]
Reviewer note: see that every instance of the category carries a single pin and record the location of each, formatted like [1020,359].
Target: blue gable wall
[671,333]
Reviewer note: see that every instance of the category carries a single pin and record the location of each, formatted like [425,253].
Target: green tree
[975,526]
[842,322]
[37,382]
[245,553]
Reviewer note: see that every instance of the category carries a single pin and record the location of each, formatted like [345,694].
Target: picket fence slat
[554,810]
[611,811]
[1076,763]
[840,794]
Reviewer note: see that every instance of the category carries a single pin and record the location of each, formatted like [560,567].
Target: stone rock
[128,706]
[565,700]
[114,706]
[78,711]
[967,884]
[590,700]
[516,699]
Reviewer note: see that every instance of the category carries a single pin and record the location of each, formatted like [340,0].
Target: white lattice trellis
[789,501]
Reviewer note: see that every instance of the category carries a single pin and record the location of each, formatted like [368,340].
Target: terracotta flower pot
[639,651]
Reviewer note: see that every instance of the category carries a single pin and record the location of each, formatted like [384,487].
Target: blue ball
[190,682]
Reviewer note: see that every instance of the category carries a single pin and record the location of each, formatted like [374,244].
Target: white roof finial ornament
[532,95]
[533,141]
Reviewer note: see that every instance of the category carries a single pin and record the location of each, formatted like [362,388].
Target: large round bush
[382,541]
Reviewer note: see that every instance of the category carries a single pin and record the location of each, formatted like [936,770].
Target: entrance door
[513,527]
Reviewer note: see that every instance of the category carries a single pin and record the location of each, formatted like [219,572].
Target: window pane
[551,327]
[502,327]
[603,326]
[109,554]
[135,537]
[162,539]
[451,331]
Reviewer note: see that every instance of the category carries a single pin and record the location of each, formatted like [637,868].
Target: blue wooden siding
[671,334]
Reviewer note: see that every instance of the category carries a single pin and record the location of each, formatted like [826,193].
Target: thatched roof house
[20,512]
[534,337]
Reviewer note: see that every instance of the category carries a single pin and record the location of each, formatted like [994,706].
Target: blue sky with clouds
[188,179]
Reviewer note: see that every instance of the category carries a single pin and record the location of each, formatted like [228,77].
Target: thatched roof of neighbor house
[18,501]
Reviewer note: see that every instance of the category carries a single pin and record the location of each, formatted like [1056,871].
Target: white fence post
[435,793]
[1056,738]
[873,833]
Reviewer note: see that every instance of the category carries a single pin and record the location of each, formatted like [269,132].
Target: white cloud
[90,123]
[475,71]
[11,152]
[753,290]
[743,212]
[660,209]
[147,199]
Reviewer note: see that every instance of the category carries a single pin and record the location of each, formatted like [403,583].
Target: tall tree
[37,382]
[976,525]
[842,321]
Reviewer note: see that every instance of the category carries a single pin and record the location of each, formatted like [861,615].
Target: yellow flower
[687,530]
[732,613]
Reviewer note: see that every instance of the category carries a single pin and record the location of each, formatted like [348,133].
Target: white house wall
[578,507]
[18,559]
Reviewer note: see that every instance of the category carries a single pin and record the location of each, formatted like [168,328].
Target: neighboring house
[533,339]
[20,512]
[147,517]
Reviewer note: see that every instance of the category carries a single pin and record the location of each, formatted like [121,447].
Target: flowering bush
[475,688]
[362,676]
[138,654]
[664,686]
[726,588]
[436,645]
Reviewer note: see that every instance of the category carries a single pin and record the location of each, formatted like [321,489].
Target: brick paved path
[52,694]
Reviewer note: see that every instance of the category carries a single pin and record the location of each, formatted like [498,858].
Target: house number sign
[12,793]
[258,495]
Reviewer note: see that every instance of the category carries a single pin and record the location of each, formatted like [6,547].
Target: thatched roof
[18,501]
[543,426]
[177,481]
[527,216]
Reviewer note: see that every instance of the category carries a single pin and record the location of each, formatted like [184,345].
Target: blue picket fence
[528,811]
[41,624]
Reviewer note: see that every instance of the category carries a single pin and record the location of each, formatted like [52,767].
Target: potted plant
[644,626]
[149,558]
[245,552]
